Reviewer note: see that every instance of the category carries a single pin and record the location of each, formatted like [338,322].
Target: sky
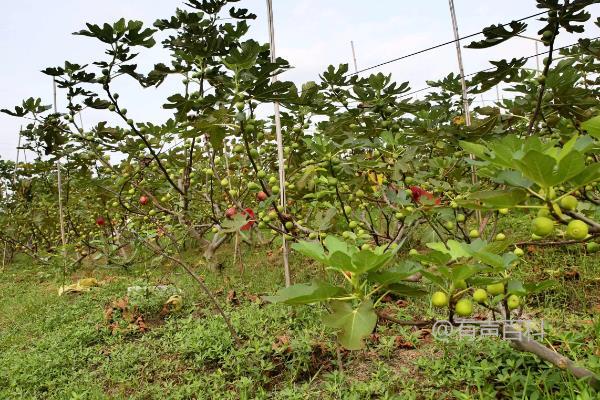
[310,34]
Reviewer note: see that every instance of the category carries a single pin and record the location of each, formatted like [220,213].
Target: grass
[63,347]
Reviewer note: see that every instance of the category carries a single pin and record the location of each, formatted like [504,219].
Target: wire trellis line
[436,46]
[491,68]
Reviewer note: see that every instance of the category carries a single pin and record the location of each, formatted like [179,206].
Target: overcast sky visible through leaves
[310,34]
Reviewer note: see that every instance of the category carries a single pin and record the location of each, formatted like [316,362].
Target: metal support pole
[286,266]
[460,65]
[354,57]
[465,97]
[60,207]
[537,51]
[498,98]
[59,182]
[17,160]
[537,57]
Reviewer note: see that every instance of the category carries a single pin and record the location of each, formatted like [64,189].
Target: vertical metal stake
[498,98]
[59,182]
[537,57]
[460,65]
[60,207]
[286,265]
[464,90]
[17,160]
[354,57]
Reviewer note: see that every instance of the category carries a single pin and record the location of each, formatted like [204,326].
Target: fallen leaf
[121,303]
[108,313]
[403,344]
[402,303]
[282,343]
[232,298]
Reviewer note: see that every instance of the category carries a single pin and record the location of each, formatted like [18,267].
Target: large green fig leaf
[354,324]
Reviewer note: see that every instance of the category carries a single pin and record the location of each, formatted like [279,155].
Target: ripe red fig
[143,200]
[230,212]
[100,221]
[261,196]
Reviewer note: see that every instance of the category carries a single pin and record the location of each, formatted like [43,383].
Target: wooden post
[286,266]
